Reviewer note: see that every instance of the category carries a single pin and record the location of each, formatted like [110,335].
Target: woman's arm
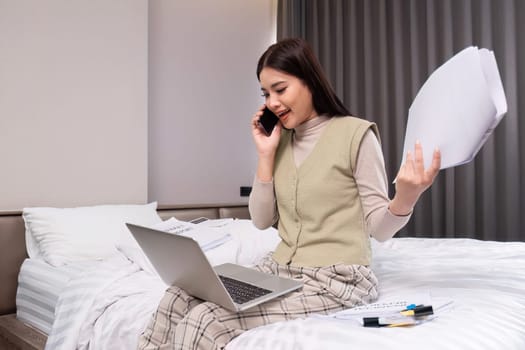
[382,222]
[262,205]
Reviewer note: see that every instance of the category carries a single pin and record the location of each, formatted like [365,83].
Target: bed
[476,288]
[15,334]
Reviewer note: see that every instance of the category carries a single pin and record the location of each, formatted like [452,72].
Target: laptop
[180,261]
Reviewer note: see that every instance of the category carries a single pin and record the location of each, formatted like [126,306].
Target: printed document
[457,108]
[207,235]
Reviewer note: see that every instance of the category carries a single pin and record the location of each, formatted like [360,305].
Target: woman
[321,175]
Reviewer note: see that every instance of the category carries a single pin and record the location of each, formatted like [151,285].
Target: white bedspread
[484,280]
[105,307]
[109,306]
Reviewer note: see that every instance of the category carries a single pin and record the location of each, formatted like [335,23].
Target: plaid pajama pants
[184,322]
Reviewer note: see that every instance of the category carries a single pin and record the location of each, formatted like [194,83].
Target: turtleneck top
[369,174]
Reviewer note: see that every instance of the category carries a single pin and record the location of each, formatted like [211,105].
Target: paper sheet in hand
[457,108]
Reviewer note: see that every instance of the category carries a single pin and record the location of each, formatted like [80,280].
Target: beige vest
[321,219]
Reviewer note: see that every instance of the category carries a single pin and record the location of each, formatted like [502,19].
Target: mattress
[39,286]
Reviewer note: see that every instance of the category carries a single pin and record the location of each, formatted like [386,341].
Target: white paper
[385,307]
[391,307]
[207,236]
[457,108]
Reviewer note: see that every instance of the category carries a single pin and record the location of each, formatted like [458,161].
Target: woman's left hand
[412,180]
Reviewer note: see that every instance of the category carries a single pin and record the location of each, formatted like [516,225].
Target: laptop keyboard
[242,292]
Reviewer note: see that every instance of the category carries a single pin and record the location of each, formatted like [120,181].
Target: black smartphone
[267,121]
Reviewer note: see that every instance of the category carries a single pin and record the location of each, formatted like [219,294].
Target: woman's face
[287,96]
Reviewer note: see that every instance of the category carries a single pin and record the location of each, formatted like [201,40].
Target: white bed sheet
[484,280]
[105,307]
[108,307]
[39,285]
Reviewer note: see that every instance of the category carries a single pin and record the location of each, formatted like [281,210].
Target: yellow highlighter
[389,321]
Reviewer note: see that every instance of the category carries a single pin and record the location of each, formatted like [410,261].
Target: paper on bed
[385,307]
[207,236]
[390,306]
[457,108]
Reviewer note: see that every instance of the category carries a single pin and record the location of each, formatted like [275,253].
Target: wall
[73,102]
[203,91]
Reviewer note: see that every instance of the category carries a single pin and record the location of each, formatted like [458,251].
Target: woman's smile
[283,115]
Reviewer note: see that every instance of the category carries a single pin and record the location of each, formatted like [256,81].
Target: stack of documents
[207,236]
[457,108]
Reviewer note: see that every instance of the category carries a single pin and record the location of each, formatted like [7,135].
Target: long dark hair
[294,56]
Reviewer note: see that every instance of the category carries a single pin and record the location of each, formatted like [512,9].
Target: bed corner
[13,334]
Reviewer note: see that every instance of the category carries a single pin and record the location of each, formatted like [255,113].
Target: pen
[418,311]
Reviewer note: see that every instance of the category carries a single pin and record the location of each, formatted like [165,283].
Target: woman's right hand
[266,145]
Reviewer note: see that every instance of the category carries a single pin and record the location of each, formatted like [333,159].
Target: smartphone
[267,121]
[199,220]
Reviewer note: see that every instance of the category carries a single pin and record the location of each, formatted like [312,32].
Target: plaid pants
[184,322]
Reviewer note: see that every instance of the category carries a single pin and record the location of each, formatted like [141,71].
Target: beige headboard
[13,247]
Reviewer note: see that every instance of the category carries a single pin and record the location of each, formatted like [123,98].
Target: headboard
[13,247]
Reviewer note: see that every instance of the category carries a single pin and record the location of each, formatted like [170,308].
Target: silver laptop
[180,261]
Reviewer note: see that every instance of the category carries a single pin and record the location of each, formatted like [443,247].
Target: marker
[393,321]
[418,311]
[411,307]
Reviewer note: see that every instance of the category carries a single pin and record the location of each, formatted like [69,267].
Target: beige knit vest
[321,219]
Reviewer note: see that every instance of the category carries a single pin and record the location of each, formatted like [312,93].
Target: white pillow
[63,235]
[248,246]
[255,243]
